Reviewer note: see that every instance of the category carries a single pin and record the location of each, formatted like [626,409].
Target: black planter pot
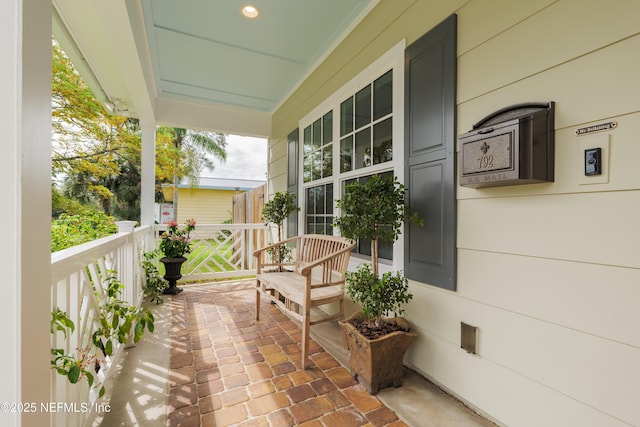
[172,267]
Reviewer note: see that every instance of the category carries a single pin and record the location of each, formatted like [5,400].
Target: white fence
[79,282]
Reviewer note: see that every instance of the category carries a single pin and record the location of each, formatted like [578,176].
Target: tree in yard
[195,148]
[89,146]
[98,155]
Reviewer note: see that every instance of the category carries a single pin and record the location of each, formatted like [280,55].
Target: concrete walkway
[138,391]
[208,363]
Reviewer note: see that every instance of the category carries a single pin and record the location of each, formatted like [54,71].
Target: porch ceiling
[201,64]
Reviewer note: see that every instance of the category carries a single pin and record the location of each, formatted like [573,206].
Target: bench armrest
[257,252]
[261,258]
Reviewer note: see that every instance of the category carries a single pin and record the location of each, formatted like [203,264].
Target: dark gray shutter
[292,179]
[430,107]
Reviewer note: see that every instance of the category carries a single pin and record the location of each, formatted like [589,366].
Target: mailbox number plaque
[512,146]
[490,154]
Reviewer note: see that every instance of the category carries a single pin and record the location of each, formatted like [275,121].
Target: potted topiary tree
[275,211]
[376,210]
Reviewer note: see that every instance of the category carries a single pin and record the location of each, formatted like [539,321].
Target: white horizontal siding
[599,228]
[595,86]
[480,21]
[497,389]
[277,166]
[550,273]
[560,33]
[594,299]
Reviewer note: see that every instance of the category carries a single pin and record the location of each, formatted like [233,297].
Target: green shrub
[72,230]
[154,284]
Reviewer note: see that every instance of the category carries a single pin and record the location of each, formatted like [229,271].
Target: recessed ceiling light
[250,11]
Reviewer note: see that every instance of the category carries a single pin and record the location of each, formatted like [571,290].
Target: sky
[246,159]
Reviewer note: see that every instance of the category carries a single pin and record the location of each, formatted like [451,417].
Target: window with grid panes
[318,149]
[365,128]
[366,125]
[319,209]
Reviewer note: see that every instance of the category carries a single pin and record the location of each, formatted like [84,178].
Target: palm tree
[196,147]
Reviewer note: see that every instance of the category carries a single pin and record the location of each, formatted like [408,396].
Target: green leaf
[60,322]
[139,330]
[89,378]
[74,374]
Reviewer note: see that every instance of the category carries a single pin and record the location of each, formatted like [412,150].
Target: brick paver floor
[229,370]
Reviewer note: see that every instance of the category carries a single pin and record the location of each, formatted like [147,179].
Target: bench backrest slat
[311,247]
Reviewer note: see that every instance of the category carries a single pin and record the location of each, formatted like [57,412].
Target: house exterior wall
[205,206]
[549,273]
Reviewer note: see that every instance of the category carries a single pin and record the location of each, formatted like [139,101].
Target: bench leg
[306,324]
[257,299]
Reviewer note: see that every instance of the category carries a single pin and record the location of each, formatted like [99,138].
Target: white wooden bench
[314,277]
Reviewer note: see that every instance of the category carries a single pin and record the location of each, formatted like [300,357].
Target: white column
[10,178]
[25,173]
[148,174]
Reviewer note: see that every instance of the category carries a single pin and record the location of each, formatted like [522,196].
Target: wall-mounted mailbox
[510,147]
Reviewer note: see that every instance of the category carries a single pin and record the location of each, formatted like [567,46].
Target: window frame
[391,60]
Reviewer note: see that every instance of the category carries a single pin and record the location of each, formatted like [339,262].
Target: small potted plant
[375,210]
[275,211]
[174,245]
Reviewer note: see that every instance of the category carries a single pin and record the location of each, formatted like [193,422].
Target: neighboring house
[211,201]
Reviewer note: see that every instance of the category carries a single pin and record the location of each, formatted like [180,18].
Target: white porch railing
[221,251]
[78,284]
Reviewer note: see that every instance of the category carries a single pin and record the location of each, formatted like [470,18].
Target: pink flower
[176,242]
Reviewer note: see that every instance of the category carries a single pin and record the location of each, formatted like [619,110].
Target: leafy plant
[72,230]
[117,318]
[378,297]
[276,210]
[376,210]
[60,322]
[154,282]
[82,364]
[176,242]
[99,153]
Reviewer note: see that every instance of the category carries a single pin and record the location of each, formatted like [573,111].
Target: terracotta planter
[172,268]
[377,363]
